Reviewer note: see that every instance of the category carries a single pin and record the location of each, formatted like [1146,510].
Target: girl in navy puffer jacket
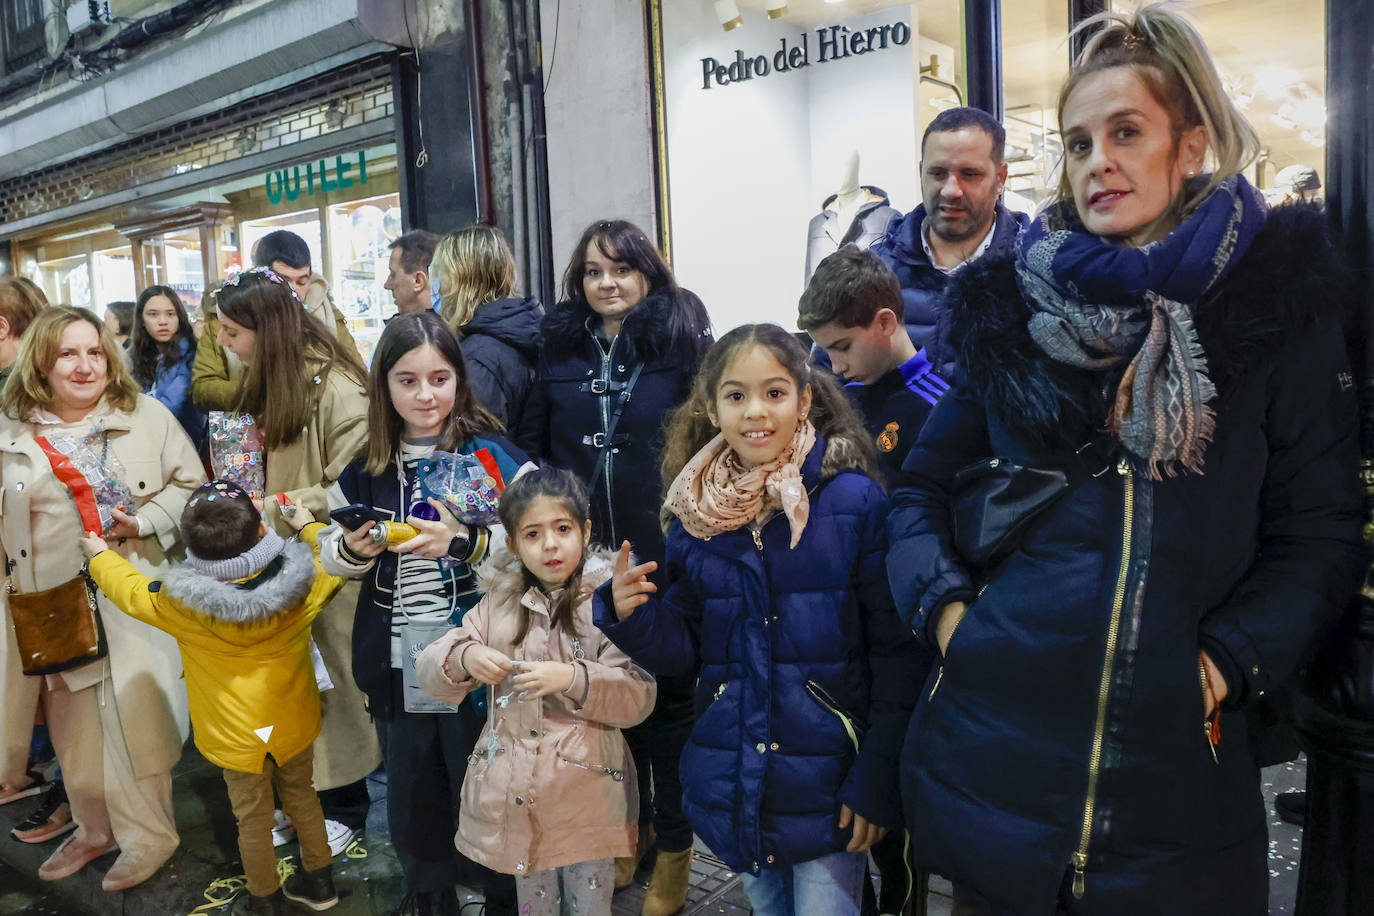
[775,586]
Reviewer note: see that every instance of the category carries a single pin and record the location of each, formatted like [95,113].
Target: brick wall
[359,93]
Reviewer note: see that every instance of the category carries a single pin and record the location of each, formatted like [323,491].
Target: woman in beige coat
[118,723]
[550,794]
[305,391]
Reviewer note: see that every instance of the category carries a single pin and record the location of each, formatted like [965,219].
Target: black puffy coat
[501,348]
[575,392]
[1066,718]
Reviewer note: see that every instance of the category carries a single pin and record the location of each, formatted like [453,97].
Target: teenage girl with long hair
[162,350]
[419,403]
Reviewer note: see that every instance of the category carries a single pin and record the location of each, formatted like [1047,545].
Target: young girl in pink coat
[550,793]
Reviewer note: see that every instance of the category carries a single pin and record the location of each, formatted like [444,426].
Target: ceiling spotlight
[776,8]
[728,14]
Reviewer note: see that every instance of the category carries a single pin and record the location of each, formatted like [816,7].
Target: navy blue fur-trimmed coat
[768,764]
[1069,704]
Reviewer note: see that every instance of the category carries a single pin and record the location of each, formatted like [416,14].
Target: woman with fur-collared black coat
[618,355]
[1082,747]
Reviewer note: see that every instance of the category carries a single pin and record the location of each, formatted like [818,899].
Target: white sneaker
[283,831]
[339,836]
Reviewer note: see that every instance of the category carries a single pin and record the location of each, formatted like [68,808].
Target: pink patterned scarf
[715,492]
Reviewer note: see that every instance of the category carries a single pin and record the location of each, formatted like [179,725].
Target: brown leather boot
[667,892]
[626,866]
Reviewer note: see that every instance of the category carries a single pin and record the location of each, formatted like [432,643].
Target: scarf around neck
[1098,305]
[715,493]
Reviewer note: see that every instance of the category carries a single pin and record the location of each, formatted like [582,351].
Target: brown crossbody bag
[59,628]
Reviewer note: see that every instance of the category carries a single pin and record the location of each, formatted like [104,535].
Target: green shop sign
[289,183]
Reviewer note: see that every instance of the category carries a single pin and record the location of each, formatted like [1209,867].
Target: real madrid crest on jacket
[895,408]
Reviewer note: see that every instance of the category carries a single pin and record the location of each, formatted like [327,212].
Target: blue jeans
[832,885]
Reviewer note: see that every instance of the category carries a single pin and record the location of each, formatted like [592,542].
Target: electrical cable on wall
[422,157]
[553,50]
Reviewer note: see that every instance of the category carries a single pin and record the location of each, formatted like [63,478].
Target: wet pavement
[200,878]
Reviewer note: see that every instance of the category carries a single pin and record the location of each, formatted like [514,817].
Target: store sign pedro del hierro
[835,42]
[291,182]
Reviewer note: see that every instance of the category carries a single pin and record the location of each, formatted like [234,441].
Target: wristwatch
[460,548]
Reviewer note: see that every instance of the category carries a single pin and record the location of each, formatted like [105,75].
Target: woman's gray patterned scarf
[1097,305]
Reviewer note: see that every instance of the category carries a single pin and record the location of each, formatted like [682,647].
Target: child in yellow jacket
[240,608]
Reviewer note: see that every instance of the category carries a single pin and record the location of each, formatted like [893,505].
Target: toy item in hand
[236,451]
[470,486]
[102,469]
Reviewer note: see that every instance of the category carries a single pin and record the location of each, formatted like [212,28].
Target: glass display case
[66,281]
[360,232]
[114,275]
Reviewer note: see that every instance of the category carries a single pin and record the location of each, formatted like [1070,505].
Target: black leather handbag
[993,500]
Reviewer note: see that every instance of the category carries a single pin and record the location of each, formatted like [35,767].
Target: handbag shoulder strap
[607,441]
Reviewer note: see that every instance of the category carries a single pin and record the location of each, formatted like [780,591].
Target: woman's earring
[1192,173]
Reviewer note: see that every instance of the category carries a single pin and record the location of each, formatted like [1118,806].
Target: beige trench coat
[347,749]
[40,533]
[563,790]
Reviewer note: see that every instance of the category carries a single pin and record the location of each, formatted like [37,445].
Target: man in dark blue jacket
[961,218]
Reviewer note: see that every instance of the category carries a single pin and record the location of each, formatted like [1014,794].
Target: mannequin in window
[854,213]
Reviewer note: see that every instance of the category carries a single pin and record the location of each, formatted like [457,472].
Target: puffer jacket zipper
[1080,857]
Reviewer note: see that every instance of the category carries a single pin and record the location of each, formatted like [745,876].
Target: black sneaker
[246,904]
[51,819]
[314,889]
[1291,807]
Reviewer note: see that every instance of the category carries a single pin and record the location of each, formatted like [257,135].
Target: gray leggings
[583,889]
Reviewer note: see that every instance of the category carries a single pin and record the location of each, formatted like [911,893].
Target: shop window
[1272,58]
[114,275]
[185,269]
[305,223]
[781,129]
[360,233]
[1035,62]
[66,281]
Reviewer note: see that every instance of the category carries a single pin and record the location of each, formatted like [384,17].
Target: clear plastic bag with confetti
[470,486]
[91,455]
[236,451]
